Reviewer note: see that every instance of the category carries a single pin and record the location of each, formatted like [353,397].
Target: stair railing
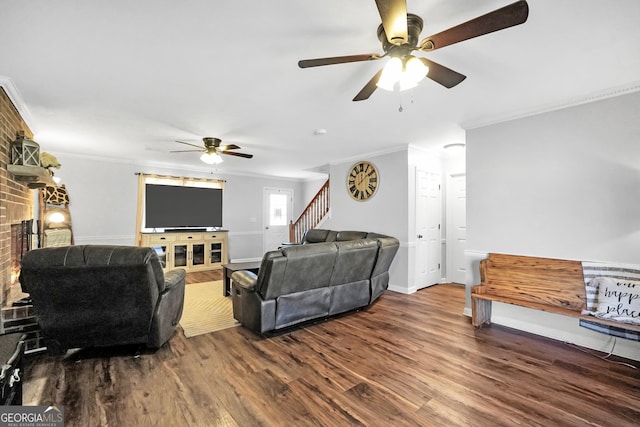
[317,208]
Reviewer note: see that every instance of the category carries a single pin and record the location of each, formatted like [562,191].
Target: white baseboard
[400,290]
[561,328]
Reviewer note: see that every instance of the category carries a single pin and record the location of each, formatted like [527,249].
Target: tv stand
[189,249]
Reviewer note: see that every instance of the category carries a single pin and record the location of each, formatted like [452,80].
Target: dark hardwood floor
[409,360]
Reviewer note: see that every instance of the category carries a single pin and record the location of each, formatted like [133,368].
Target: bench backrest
[554,282]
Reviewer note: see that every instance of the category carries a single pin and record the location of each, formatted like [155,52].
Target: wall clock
[362,181]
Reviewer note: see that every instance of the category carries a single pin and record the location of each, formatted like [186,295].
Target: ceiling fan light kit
[399,34]
[403,73]
[211,158]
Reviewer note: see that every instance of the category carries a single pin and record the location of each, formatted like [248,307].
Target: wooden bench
[547,284]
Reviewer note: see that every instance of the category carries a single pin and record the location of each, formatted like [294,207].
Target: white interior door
[277,207]
[456,228]
[428,216]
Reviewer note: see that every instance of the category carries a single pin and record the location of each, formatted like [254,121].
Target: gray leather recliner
[96,296]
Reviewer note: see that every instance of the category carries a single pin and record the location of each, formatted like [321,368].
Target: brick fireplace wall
[16,199]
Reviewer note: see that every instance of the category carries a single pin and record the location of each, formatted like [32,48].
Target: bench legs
[480,312]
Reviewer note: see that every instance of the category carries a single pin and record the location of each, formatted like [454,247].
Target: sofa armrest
[168,310]
[245,280]
[173,278]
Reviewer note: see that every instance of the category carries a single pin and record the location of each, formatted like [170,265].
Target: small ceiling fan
[212,150]
[399,34]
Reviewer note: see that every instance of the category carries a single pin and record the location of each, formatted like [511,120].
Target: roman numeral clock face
[362,181]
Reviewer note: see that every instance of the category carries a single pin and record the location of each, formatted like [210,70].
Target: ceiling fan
[212,150]
[399,34]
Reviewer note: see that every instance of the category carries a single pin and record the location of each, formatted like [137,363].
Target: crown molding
[369,155]
[545,108]
[155,165]
[16,99]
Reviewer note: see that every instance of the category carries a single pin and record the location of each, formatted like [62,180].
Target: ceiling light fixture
[212,158]
[404,73]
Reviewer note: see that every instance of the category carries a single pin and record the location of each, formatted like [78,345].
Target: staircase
[315,211]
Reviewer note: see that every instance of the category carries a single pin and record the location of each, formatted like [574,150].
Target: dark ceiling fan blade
[369,88]
[233,153]
[306,63]
[229,147]
[505,17]
[394,20]
[443,75]
[187,143]
[188,151]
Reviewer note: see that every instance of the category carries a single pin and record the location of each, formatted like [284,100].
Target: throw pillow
[618,300]
[591,288]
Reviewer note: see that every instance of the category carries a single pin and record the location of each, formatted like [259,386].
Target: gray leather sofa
[96,296]
[329,273]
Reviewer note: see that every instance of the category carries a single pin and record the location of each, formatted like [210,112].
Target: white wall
[563,184]
[103,202]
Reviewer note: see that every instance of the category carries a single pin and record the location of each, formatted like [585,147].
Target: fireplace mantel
[34,176]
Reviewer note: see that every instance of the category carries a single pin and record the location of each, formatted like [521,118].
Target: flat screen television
[171,206]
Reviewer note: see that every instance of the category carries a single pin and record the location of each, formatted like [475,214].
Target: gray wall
[386,212]
[390,211]
[563,184]
[103,201]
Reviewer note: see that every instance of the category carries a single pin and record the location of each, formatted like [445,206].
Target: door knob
[419,236]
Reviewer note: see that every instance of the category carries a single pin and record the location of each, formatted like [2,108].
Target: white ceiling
[124,79]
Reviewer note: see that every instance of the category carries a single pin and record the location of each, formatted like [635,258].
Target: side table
[229,269]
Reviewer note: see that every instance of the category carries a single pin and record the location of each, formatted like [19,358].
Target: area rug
[205,309]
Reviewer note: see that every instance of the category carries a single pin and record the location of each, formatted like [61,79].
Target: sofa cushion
[85,306]
[354,262]
[317,235]
[388,247]
[302,306]
[272,269]
[307,267]
[81,255]
[97,255]
[343,236]
[349,296]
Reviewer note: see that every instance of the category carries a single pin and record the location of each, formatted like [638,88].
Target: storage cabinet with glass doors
[191,251]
